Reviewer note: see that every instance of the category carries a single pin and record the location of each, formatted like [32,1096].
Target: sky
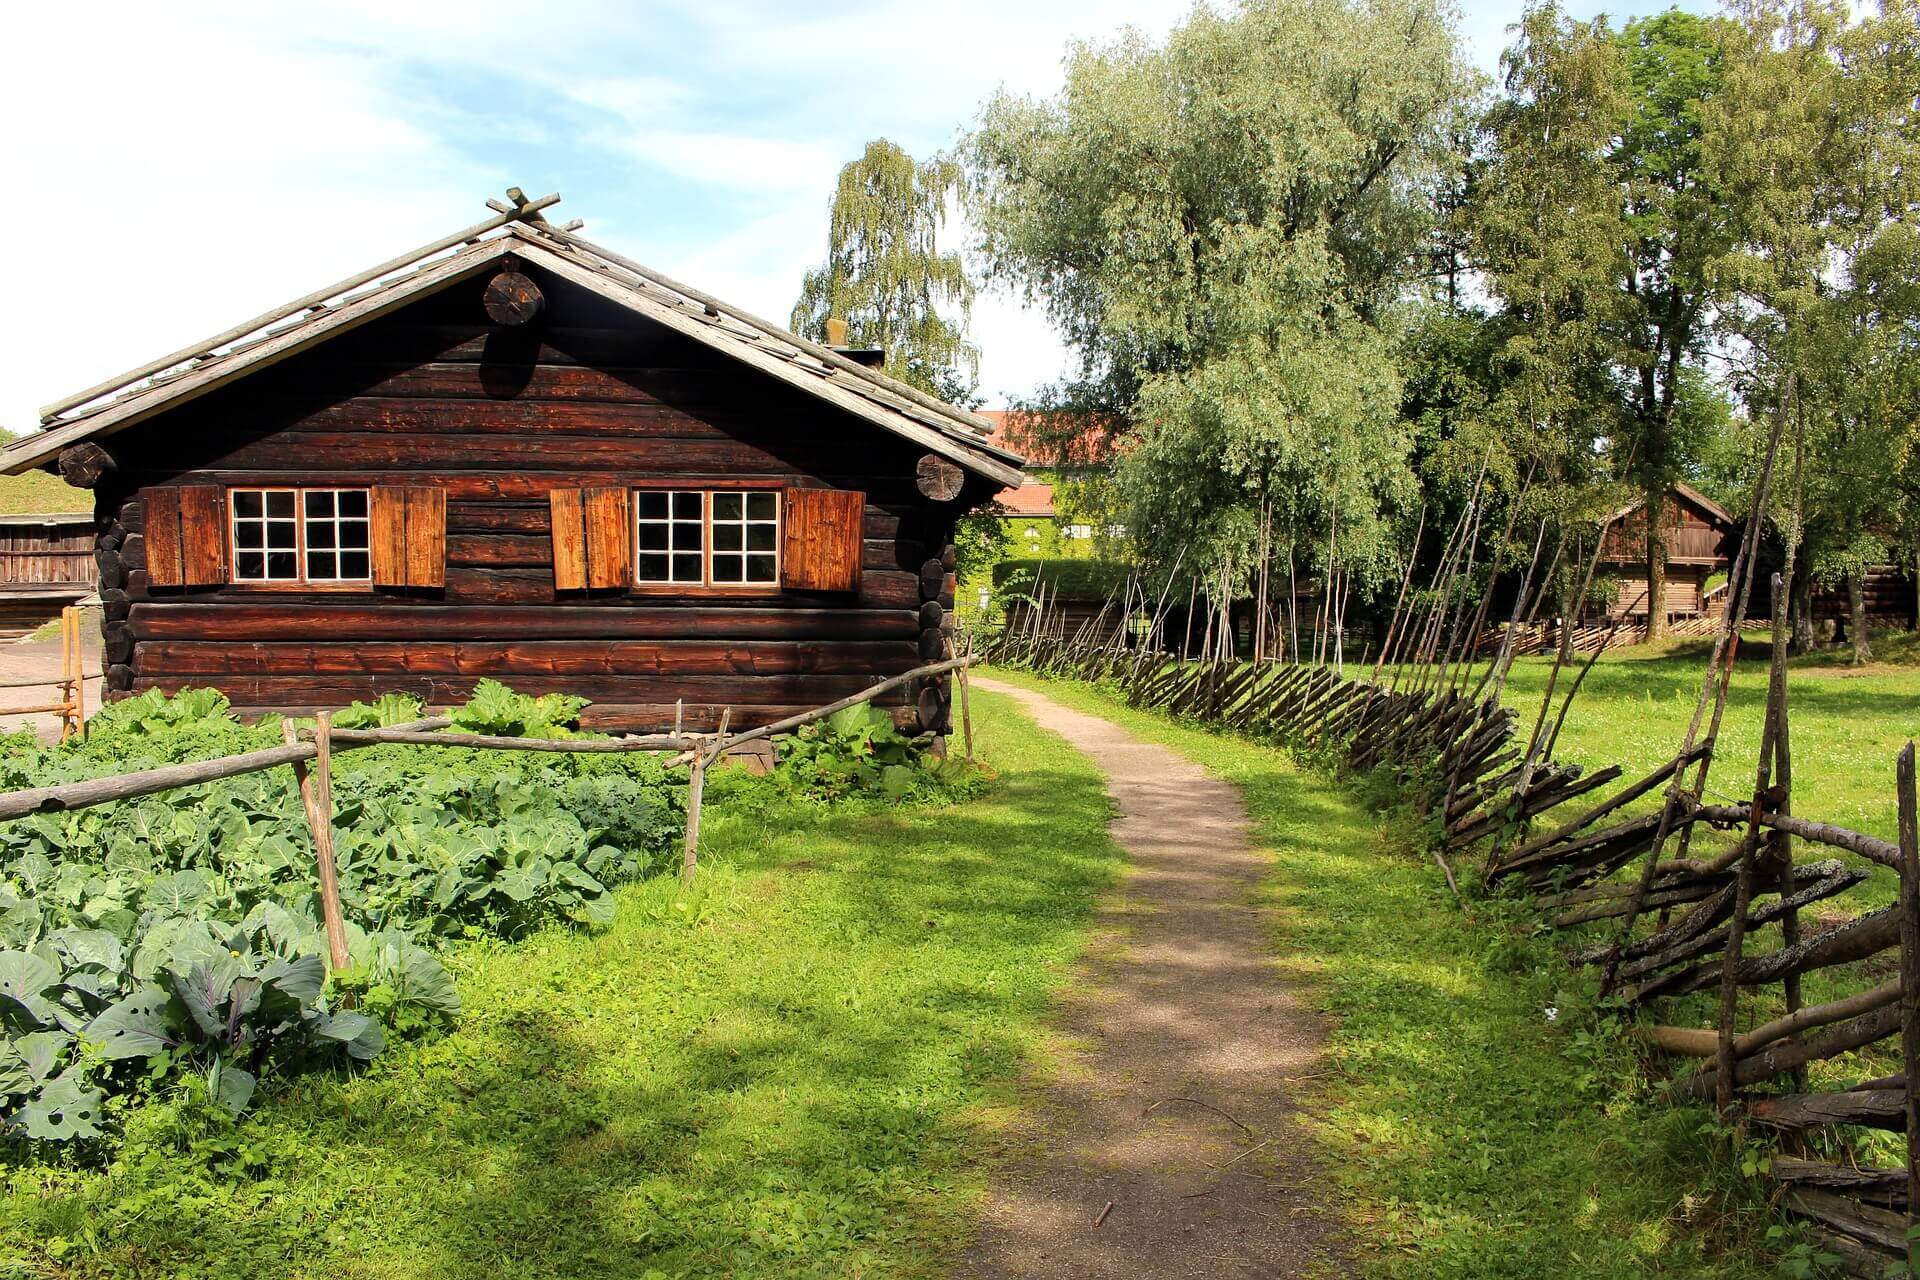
[179,166]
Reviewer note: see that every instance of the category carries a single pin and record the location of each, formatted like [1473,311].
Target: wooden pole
[316,794]
[966,707]
[696,789]
[1910,984]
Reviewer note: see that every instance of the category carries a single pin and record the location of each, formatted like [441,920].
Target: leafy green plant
[855,749]
[496,709]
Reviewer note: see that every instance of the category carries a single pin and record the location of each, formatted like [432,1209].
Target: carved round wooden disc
[512,298]
[937,478]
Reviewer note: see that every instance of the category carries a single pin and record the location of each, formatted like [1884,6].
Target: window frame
[301,582]
[708,490]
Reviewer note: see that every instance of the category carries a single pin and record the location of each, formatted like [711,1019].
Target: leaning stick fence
[1813,1040]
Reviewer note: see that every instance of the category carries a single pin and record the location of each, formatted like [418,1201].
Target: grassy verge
[1473,1132]
[792,1070]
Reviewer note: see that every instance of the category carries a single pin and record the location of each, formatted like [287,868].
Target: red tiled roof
[1028,500]
[1009,432]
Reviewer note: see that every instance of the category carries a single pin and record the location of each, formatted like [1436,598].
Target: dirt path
[1181,1020]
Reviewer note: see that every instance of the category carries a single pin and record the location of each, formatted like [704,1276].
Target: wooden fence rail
[1686,925]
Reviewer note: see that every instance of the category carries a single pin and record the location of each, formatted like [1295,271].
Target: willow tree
[1217,224]
[885,276]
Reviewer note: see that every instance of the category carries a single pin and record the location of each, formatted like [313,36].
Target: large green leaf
[62,1110]
[135,1026]
[24,980]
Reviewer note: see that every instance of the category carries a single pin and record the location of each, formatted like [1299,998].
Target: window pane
[726,506]
[246,502]
[320,502]
[760,506]
[653,568]
[320,536]
[353,564]
[353,533]
[280,534]
[322,564]
[760,568]
[726,537]
[653,504]
[686,506]
[760,537]
[250,564]
[726,568]
[686,567]
[653,537]
[353,502]
[282,564]
[280,503]
[248,533]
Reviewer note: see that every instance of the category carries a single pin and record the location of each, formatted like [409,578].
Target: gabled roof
[1692,495]
[519,230]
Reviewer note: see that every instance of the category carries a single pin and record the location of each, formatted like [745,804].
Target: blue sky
[185,165]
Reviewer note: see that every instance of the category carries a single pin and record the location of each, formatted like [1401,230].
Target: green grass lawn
[1469,1134]
[1847,724]
[801,1068]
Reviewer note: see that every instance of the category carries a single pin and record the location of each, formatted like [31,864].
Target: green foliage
[496,709]
[886,277]
[1217,224]
[187,924]
[859,749]
[1074,579]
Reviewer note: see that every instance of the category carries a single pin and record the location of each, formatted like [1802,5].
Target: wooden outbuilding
[1701,535]
[515,453]
[46,563]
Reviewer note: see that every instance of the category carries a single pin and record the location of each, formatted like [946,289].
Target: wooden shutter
[609,521]
[408,536]
[821,536]
[186,536]
[592,539]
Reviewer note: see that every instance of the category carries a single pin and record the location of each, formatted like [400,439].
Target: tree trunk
[1656,562]
[1802,594]
[1857,609]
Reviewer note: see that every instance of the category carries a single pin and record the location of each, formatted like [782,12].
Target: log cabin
[517,454]
[1700,537]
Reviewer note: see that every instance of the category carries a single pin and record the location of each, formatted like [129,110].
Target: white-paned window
[707,537]
[672,536]
[299,535]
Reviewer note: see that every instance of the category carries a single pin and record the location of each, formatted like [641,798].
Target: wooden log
[966,708]
[1881,1228]
[85,464]
[146,782]
[1891,1183]
[933,644]
[1696,1042]
[1871,1108]
[1884,852]
[932,615]
[1909,827]
[933,577]
[512,298]
[494,742]
[316,795]
[938,479]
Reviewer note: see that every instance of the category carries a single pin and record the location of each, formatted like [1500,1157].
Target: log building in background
[522,456]
[1701,538]
[46,563]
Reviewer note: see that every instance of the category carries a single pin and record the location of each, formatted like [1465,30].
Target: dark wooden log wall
[589,395]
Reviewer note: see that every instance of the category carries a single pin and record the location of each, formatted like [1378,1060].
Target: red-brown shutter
[609,528]
[408,536]
[821,536]
[186,536]
[592,539]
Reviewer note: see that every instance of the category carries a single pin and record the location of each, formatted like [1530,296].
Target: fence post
[696,788]
[966,706]
[1910,985]
[316,794]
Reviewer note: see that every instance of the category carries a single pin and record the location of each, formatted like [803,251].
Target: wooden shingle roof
[518,229]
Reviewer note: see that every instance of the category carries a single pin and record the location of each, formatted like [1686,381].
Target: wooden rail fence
[72,684]
[309,752]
